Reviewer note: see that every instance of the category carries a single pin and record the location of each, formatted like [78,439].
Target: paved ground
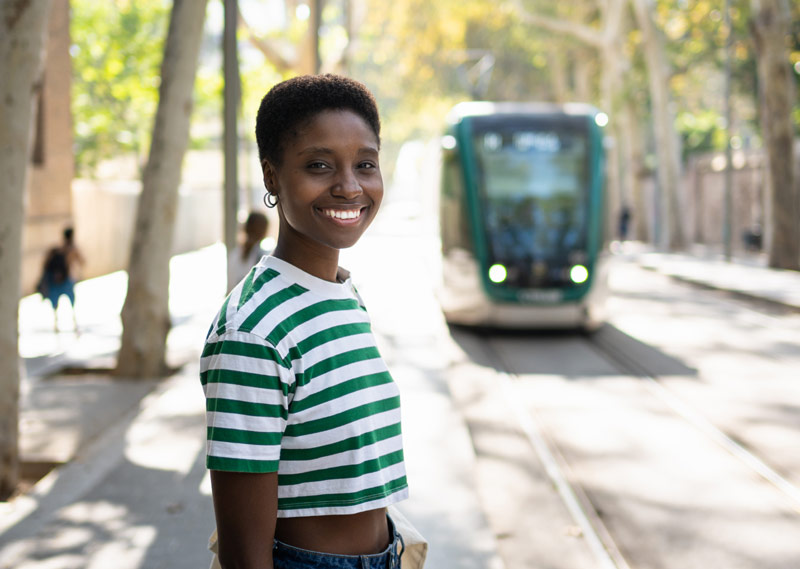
[747,276]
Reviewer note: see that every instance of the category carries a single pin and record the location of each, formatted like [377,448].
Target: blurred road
[676,427]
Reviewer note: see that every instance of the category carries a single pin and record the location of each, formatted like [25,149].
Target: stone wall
[705,185]
[105,214]
[703,199]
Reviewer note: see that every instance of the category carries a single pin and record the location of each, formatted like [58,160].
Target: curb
[775,300]
[69,482]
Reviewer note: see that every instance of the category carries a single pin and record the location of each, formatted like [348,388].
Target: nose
[347,185]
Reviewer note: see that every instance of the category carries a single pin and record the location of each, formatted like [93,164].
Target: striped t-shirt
[294,384]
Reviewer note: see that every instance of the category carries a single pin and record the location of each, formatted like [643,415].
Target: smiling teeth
[343,214]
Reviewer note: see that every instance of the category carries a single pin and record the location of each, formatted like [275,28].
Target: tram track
[587,514]
[626,364]
[597,536]
[583,512]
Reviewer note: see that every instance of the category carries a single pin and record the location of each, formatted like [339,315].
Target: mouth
[343,215]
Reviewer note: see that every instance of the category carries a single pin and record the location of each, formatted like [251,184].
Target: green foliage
[116,58]
[257,77]
[418,56]
[413,57]
[794,59]
[696,36]
[117,48]
[700,131]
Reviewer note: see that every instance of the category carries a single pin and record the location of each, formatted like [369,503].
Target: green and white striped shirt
[294,384]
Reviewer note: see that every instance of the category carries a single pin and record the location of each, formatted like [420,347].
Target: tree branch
[272,50]
[612,20]
[583,33]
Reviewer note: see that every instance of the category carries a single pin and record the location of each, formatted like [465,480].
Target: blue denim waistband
[285,556]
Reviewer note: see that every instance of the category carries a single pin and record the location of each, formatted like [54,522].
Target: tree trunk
[230,113]
[673,235]
[632,195]
[610,96]
[559,75]
[145,315]
[583,67]
[23,27]
[309,59]
[770,27]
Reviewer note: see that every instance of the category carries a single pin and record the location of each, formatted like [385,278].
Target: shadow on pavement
[571,354]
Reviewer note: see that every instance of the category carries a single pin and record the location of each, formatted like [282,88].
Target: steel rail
[583,512]
[625,364]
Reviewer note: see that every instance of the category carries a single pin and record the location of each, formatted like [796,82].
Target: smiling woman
[304,439]
[329,187]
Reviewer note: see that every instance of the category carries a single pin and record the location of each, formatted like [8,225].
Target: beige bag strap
[416,547]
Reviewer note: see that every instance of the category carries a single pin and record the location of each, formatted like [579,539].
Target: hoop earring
[270,199]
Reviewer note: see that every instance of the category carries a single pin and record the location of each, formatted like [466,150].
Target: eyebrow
[325,150]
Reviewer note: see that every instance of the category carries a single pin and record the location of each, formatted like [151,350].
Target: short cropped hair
[289,104]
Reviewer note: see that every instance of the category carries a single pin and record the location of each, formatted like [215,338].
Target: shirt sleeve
[247,387]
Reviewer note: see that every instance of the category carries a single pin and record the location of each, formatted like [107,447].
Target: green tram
[522,208]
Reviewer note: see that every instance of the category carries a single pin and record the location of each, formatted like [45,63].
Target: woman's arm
[246,508]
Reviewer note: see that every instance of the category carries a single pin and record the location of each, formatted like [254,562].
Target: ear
[270,177]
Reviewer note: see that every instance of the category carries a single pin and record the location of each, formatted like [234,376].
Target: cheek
[375,189]
[378,198]
[289,214]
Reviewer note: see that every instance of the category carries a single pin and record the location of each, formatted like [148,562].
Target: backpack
[56,268]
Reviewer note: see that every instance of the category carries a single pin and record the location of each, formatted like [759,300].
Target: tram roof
[484,108]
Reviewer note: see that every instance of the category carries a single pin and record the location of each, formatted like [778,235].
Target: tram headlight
[448,142]
[579,274]
[601,119]
[497,273]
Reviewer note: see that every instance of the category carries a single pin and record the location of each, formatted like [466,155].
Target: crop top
[295,384]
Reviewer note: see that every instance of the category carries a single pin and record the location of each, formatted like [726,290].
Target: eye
[366,165]
[316,165]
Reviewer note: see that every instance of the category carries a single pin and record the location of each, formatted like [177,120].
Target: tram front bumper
[525,316]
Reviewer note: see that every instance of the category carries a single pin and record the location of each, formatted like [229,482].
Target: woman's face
[329,184]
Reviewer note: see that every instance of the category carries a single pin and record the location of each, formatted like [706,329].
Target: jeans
[289,557]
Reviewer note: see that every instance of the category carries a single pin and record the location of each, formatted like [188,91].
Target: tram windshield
[533,176]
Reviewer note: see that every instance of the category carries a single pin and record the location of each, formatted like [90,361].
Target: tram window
[492,141]
[541,165]
[534,202]
[536,141]
[454,226]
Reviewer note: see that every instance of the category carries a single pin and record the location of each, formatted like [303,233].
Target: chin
[344,241]
[344,244]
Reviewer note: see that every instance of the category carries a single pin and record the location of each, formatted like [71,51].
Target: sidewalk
[132,490]
[746,276]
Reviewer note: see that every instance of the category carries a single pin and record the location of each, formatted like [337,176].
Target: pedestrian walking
[249,253]
[59,274]
[304,438]
[624,222]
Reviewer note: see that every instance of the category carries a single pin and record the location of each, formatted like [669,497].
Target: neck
[322,264]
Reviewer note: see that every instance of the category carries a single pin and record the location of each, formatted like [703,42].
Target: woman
[250,251]
[304,441]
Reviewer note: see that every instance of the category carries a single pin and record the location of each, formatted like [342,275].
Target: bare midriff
[355,534]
